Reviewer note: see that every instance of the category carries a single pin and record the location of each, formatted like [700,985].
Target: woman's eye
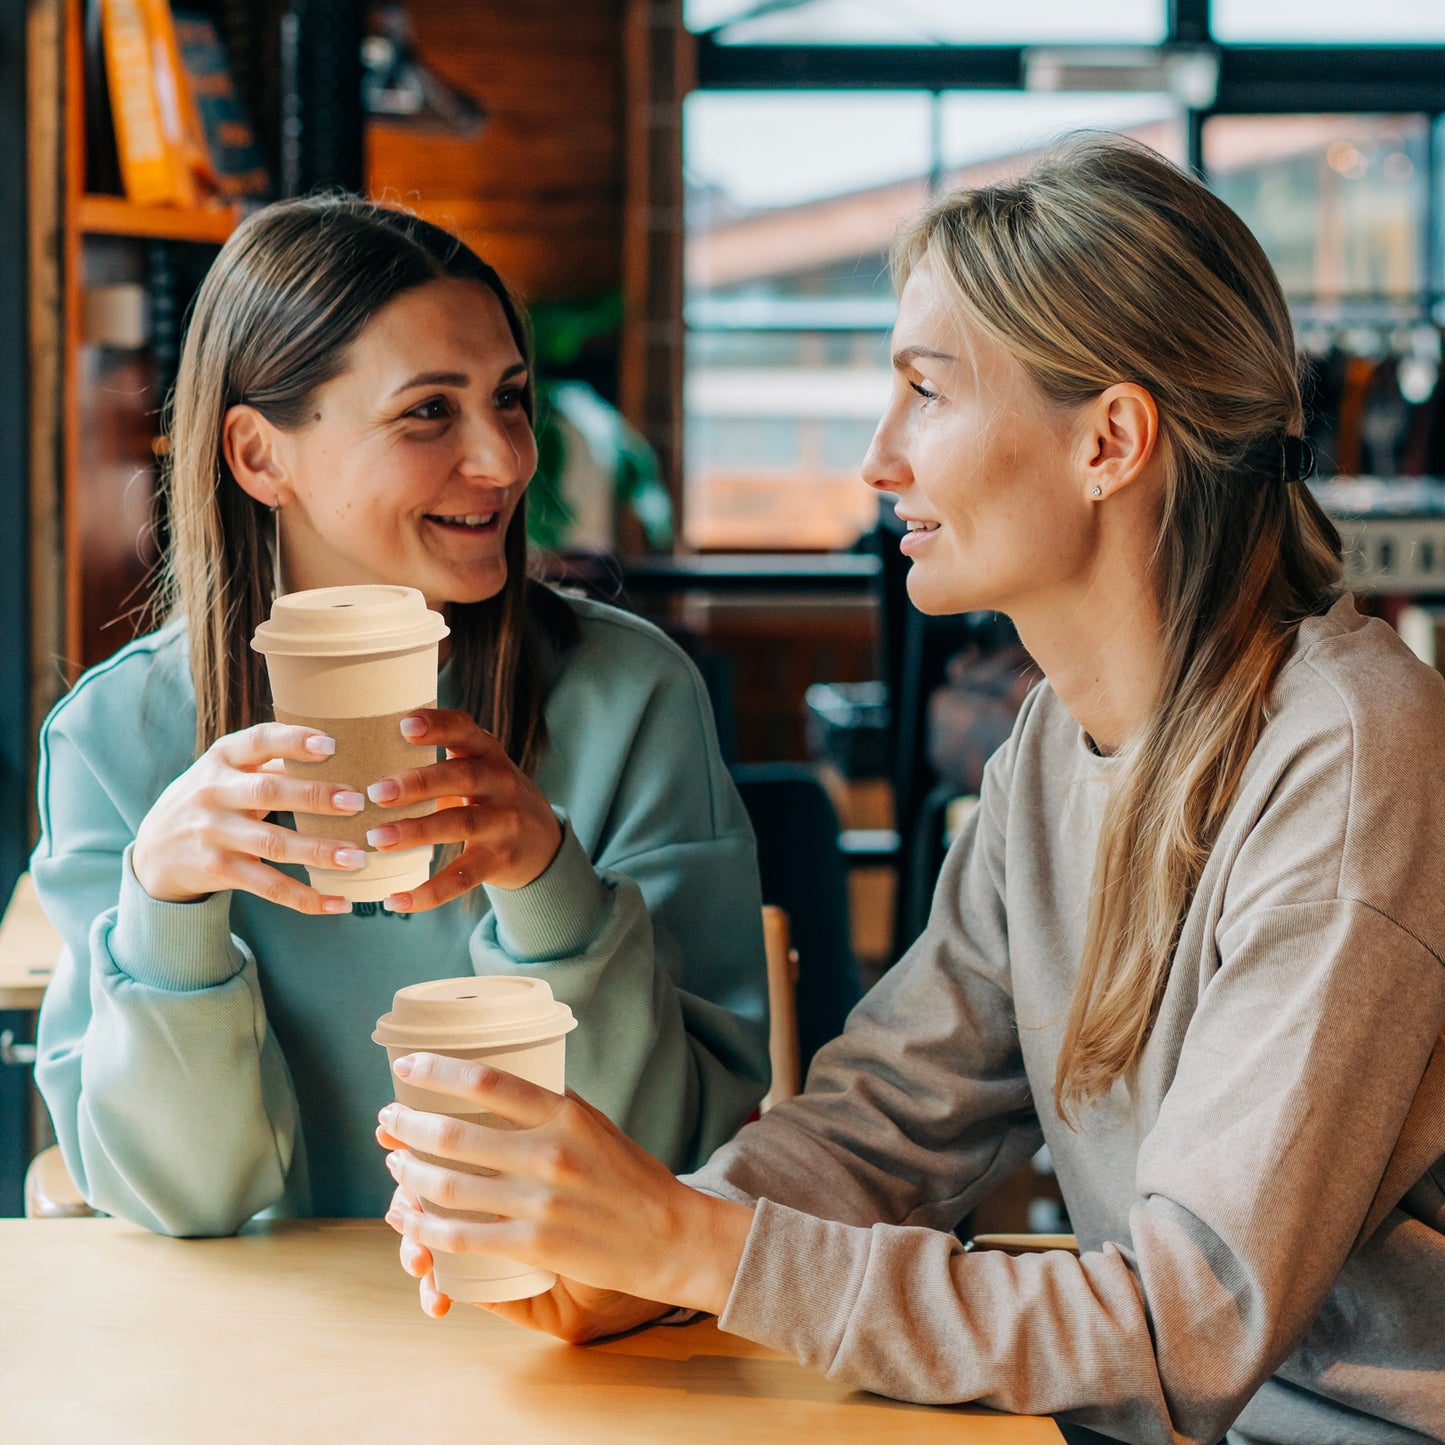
[509,397]
[437,408]
[923,391]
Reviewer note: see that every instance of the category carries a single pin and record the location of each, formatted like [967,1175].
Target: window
[1307,22]
[793,200]
[924,22]
[1337,201]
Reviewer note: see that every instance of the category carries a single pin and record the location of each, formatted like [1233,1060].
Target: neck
[1102,650]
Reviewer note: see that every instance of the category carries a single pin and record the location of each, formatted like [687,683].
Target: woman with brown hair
[1191,937]
[354,405]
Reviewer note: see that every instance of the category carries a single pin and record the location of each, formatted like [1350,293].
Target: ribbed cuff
[176,946]
[784,1295]
[556,915]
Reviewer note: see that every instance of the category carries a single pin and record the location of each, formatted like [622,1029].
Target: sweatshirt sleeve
[1254,1187]
[169,1096]
[922,1106]
[656,942]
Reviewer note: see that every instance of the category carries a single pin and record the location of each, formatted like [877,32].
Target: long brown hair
[290,291]
[1106,264]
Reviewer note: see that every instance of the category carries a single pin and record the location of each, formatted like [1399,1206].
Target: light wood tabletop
[309,1330]
[29,947]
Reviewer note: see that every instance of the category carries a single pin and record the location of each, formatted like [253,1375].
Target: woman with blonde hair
[1191,937]
[354,405]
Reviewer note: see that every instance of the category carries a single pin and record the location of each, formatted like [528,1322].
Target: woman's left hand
[571,1193]
[501,817]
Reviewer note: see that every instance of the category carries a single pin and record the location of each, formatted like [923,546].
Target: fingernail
[393,1162]
[402,1067]
[350,858]
[335,905]
[388,790]
[352,802]
[413,727]
[382,837]
[321,745]
[397,903]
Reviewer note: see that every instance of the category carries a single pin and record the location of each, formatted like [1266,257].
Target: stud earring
[1098,491]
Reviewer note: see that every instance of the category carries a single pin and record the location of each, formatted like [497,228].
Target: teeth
[472,519]
[922,526]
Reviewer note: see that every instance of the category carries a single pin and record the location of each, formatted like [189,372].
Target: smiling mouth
[468,522]
[922,526]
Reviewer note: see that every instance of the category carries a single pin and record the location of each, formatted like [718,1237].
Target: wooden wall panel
[539,193]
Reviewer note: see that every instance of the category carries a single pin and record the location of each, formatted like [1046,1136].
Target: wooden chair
[50,1192]
[1024,1243]
[783,1048]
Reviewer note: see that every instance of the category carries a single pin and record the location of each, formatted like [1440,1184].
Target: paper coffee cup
[509,1023]
[354,661]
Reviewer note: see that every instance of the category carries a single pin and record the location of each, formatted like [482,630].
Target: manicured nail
[388,790]
[397,903]
[393,1163]
[350,858]
[382,837]
[403,1066]
[388,1112]
[335,905]
[321,745]
[351,802]
[413,727]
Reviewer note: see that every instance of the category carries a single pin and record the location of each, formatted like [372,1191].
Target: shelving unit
[116,216]
[106,463]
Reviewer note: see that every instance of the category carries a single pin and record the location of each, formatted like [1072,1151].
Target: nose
[496,453]
[885,467]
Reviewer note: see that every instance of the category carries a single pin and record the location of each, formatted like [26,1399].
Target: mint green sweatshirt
[205,1062]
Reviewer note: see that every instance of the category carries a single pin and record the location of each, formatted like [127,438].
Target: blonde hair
[1106,264]
[290,291]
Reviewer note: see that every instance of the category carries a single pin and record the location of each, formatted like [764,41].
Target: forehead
[451,318]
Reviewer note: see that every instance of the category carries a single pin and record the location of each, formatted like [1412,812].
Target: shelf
[115,216]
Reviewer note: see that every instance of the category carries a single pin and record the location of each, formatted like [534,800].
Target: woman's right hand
[208,831]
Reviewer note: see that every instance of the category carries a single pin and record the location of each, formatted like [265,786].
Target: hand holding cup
[508,831]
[569,1192]
[208,831]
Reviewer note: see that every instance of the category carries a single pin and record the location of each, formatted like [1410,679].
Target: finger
[517,1100]
[450,728]
[474,866]
[503,1238]
[433,1301]
[272,843]
[263,790]
[471,775]
[253,746]
[275,887]
[415,1258]
[452,1189]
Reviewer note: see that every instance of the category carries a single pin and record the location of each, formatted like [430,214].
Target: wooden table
[309,1330]
[29,947]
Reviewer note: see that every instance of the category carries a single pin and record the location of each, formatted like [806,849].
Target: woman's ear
[1120,439]
[254,452]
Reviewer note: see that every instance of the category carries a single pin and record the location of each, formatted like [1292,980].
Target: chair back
[804,873]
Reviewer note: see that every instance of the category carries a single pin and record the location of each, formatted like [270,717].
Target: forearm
[169,1097]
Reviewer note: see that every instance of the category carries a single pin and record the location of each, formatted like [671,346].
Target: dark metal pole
[14,557]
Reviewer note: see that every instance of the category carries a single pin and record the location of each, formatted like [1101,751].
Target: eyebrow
[454,378]
[902,360]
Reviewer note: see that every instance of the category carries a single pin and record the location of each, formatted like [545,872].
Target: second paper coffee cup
[510,1023]
[353,661]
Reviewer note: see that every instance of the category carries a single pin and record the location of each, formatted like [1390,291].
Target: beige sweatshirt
[1260,1210]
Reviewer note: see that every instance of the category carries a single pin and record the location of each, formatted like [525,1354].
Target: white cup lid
[349,621]
[473,1013]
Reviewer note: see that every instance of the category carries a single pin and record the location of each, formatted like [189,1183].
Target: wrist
[152,880]
[706,1248]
